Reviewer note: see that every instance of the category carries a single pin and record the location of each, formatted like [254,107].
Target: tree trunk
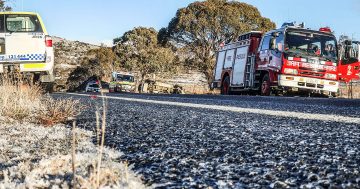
[138,85]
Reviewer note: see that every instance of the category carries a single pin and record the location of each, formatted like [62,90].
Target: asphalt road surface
[233,141]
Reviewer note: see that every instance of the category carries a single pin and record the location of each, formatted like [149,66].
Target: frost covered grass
[34,156]
[39,157]
[24,102]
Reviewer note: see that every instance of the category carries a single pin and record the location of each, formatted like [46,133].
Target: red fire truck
[349,68]
[289,59]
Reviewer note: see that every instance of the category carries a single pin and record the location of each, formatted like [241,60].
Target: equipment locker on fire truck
[289,59]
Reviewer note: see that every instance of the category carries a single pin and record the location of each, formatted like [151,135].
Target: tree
[202,26]
[101,62]
[4,7]
[139,50]
[98,64]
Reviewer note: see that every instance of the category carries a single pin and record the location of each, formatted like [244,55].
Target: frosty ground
[32,156]
[177,146]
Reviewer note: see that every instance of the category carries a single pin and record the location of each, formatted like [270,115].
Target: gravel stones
[180,147]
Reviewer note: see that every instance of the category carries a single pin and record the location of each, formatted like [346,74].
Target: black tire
[225,87]
[265,89]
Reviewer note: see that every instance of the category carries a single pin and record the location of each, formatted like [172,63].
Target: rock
[313,177]
[279,185]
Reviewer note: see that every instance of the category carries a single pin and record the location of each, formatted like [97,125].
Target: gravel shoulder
[32,156]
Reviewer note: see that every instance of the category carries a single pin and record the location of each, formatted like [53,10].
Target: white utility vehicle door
[24,39]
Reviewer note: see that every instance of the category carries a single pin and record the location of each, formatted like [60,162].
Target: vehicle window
[355,50]
[125,78]
[265,43]
[280,42]
[23,23]
[352,56]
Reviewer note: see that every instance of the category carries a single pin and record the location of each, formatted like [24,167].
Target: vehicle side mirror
[273,43]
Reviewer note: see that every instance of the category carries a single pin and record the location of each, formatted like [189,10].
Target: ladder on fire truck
[250,72]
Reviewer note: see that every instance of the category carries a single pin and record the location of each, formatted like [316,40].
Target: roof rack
[293,25]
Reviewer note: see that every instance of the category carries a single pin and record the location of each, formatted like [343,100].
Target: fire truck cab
[291,58]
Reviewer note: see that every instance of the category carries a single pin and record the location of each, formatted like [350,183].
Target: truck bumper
[309,84]
[39,67]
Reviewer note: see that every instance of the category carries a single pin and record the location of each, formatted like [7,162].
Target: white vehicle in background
[26,47]
[93,87]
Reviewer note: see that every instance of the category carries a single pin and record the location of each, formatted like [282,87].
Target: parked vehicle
[122,82]
[349,52]
[289,59]
[155,87]
[25,46]
[92,87]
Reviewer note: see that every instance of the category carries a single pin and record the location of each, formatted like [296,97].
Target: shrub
[57,111]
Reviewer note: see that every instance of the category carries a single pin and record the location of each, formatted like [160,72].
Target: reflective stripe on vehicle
[30,66]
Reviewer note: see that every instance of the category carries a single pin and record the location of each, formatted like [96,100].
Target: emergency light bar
[325,29]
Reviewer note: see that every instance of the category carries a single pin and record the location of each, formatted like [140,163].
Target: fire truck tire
[225,87]
[265,89]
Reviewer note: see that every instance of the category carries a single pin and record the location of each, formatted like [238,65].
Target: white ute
[25,46]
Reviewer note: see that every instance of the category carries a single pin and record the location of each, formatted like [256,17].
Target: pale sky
[97,21]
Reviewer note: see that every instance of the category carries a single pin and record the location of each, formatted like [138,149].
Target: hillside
[69,54]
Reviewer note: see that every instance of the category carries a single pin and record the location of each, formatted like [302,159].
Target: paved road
[235,141]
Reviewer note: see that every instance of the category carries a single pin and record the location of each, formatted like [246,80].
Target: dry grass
[19,101]
[39,157]
[24,102]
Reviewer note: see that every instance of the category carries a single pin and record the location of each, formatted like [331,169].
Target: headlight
[330,76]
[290,71]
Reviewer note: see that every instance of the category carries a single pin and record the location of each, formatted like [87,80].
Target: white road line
[298,115]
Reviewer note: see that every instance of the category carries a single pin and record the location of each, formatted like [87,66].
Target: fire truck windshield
[128,78]
[306,44]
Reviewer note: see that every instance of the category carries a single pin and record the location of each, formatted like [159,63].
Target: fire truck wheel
[225,87]
[265,86]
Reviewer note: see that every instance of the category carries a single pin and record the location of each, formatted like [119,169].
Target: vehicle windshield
[311,44]
[128,78]
[22,23]
[94,85]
